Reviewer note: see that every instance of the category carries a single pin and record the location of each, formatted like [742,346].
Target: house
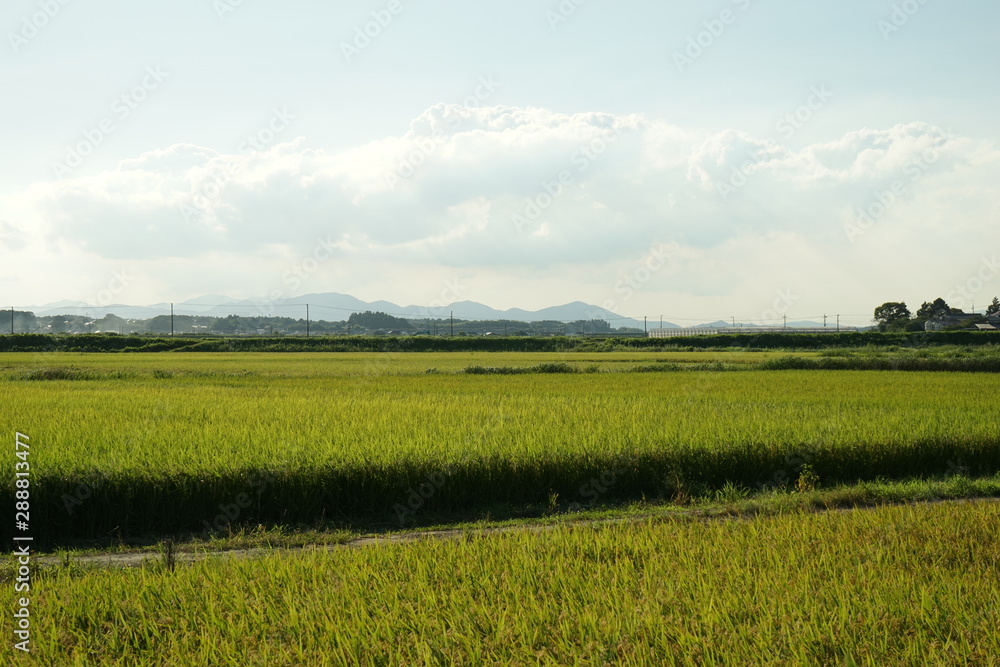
[950,320]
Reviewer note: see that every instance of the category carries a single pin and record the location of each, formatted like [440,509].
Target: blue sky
[697,159]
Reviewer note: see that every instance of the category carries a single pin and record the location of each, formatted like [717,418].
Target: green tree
[935,310]
[994,308]
[892,316]
[378,320]
[61,324]
[111,323]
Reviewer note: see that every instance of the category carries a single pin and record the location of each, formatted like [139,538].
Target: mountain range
[335,307]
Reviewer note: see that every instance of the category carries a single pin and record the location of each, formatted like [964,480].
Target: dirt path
[138,559]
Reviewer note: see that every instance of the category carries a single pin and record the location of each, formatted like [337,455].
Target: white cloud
[529,192]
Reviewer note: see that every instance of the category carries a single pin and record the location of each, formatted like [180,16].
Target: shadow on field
[101,508]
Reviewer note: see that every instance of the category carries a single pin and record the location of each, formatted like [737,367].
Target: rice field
[912,585]
[125,446]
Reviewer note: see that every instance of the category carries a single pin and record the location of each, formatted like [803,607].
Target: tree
[994,308]
[892,316]
[24,321]
[935,310]
[589,326]
[378,320]
[111,323]
[61,324]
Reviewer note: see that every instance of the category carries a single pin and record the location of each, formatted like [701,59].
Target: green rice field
[917,585]
[610,463]
[132,445]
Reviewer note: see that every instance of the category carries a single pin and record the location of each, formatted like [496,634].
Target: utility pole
[824,321]
[734,321]
[451,316]
[171,319]
[644,330]
[661,322]
[838,323]
[307,320]
[785,318]
[12,320]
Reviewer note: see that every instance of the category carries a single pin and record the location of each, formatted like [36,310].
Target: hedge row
[116,343]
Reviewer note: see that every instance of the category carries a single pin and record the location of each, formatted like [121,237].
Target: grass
[898,585]
[166,444]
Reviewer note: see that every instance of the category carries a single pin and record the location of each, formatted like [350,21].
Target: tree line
[896,316]
[367,322]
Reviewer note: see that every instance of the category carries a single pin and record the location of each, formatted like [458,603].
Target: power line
[423,316]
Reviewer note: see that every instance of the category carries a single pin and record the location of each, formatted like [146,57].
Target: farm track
[138,559]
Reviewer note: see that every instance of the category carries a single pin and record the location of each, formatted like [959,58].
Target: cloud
[11,238]
[507,189]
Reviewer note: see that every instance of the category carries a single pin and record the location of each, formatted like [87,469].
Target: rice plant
[913,585]
[160,444]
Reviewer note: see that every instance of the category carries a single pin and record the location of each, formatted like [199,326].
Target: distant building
[704,331]
[951,320]
[673,332]
[613,334]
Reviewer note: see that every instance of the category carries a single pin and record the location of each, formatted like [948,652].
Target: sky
[696,160]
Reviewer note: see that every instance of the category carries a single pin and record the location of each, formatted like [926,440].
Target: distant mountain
[749,325]
[97,312]
[64,307]
[335,307]
[202,304]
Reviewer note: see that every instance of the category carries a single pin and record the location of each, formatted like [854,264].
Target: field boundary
[133,559]
[760,340]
